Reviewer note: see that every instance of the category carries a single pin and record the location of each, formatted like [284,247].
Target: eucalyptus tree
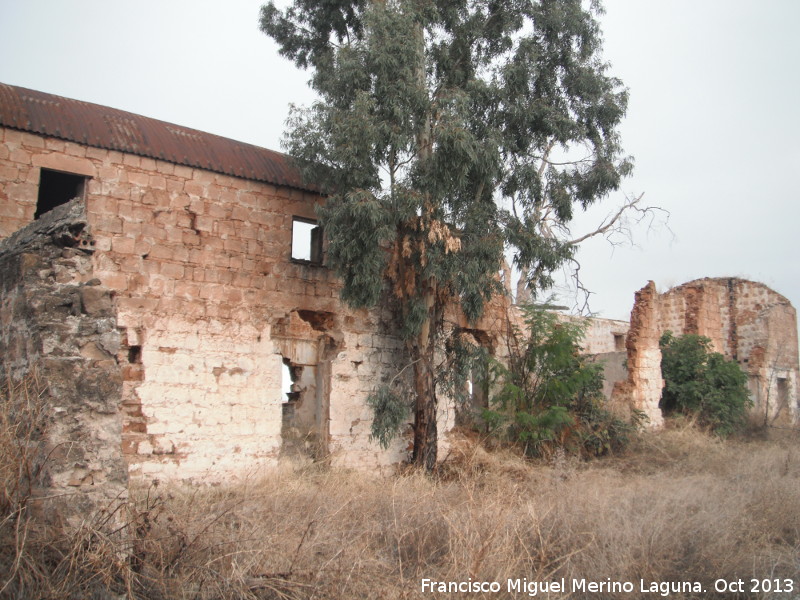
[446,134]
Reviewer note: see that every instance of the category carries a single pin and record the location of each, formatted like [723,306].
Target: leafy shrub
[549,395]
[390,411]
[703,383]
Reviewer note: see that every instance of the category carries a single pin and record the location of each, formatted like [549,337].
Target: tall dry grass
[680,506]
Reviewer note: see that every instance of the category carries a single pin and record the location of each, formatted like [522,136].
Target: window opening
[287,380]
[306,241]
[135,355]
[57,188]
[783,393]
[619,342]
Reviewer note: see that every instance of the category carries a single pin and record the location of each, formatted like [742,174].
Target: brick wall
[747,322]
[201,267]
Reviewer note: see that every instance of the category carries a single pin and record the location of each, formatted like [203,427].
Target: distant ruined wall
[642,388]
[57,325]
[749,323]
[746,321]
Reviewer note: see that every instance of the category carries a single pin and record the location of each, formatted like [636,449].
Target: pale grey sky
[712,120]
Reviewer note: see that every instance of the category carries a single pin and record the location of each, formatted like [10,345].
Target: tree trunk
[425,432]
[422,351]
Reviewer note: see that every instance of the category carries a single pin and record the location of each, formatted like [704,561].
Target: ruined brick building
[746,321]
[163,280]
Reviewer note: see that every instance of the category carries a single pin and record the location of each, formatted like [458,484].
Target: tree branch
[609,224]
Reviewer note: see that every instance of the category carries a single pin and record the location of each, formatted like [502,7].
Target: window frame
[316,247]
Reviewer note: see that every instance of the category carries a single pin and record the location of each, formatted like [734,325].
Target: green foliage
[450,112]
[549,395]
[465,361]
[703,383]
[389,411]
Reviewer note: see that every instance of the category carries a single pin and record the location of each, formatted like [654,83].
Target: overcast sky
[712,123]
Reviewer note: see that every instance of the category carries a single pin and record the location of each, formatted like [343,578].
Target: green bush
[390,411]
[549,395]
[703,383]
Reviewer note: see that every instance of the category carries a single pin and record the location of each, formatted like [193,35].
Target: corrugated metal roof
[112,129]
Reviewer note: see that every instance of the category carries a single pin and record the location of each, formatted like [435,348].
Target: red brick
[131,160]
[122,245]
[190,238]
[179,201]
[194,189]
[132,229]
[240,213]
[175,234]
[183,172]
[197,206]
[75,150]
[218,211]
[203,176]
[32,141]
[139,179]
[154,232]
[20,156]
[55,145]
[131,264]
[203,223]
[173,270]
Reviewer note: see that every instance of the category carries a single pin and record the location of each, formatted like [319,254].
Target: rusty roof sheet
[112,129]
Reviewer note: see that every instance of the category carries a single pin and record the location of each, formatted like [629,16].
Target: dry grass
[680,506]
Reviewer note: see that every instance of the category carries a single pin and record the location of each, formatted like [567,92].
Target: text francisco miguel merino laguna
[532,588]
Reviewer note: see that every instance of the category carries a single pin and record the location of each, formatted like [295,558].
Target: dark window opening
[619,342]
[57,188]
[306,241]
[135,355]
[783,393]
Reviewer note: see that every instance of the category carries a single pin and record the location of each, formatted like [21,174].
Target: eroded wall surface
[211,307]
[749,323]
[642,388]
[745,321]
[211,312]
[58,330]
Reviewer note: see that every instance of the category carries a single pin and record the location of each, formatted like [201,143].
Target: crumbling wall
[211,306]
[642,389]
[202,265]
[202,270]
[746,321]
[57,324]
[749,323]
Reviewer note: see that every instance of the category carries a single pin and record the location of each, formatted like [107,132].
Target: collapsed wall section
[642,388]
[58,329]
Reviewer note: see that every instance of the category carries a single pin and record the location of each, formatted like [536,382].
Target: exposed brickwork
[200,263]
[642,389]
[748,323]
